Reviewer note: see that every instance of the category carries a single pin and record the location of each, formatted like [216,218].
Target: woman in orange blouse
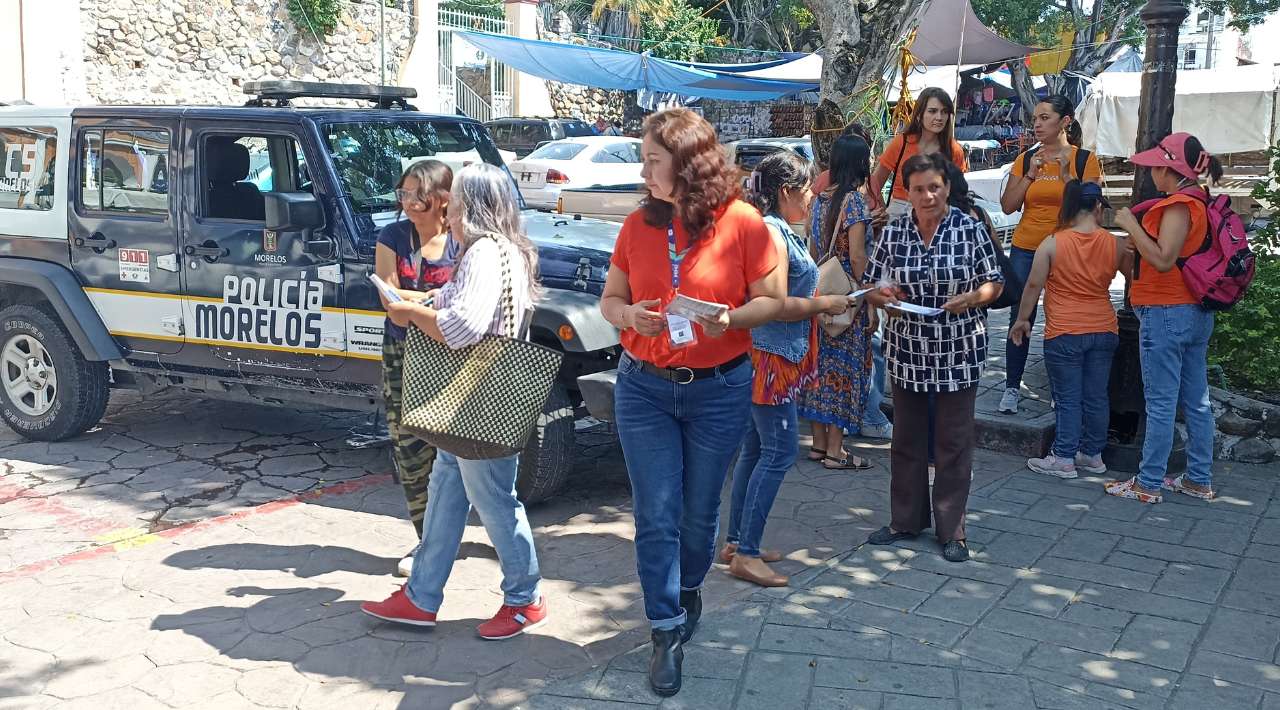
[931,130]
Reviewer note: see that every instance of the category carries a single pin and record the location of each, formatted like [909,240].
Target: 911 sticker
[135,266]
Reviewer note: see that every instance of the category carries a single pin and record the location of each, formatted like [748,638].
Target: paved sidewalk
[1076,600]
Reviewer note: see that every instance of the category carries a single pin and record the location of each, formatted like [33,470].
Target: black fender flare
[64,293]
[578,310]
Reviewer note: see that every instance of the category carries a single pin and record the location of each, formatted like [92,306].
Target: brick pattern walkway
[1074,600]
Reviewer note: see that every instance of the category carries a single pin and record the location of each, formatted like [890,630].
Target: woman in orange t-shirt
[1175,329]
[1075,268]
[1038,193]
[683,393]
[931,130]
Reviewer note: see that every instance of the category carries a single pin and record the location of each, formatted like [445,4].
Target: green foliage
[679,31]
[319,17]
[1245,337]
[1267,239]
[483,8]
[1244,13]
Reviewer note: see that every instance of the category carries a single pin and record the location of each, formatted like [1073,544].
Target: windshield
[370,156]
[557,151]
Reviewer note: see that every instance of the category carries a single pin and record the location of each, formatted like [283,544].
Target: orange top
[889,160]
[736,252]
[1153,288]
[1077,296]
[1043,202]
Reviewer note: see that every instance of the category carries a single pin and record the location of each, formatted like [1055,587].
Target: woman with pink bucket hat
[1175,328]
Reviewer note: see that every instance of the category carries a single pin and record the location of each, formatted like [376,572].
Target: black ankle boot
[664,666]
[691,602]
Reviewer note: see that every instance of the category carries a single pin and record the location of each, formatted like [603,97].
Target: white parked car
[576,162]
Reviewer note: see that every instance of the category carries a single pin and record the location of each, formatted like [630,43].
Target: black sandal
[845,465]
[955,551]
[887,536]
[821,453]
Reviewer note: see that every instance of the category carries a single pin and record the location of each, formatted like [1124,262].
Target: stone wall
[202,51]
[1248,430]
[585,102]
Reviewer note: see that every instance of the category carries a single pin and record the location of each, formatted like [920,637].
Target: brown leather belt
[685,375]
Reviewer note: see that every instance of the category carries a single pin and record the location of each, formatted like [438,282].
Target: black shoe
[955,551]
[664,666]
[691,601]
[886,536]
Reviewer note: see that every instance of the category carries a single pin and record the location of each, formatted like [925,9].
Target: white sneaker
[1092,465]
[1009,402]
[405,567]
[878,432]
[1053,466]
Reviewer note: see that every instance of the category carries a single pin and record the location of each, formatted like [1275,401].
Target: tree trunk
[1090,55]
[1020,76]
[859,39]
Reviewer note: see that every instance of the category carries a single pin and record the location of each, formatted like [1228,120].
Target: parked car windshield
[557,151]
[575,129]
[370,156]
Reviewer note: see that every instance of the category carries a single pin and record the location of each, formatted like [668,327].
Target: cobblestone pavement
[1075,600]
[195,553]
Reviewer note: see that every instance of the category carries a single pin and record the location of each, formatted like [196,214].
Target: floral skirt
[838,393]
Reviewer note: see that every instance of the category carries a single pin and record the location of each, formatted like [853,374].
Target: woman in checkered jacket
[942,260]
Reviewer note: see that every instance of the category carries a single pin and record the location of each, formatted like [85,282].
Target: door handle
[96,241]
[210,253]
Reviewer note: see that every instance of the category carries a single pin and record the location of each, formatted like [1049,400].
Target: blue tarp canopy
[614,69]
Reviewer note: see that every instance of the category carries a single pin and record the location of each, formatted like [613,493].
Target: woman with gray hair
[484,216]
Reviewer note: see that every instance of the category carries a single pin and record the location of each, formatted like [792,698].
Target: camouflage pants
[413,457]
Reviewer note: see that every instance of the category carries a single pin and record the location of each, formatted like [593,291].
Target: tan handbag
[481,401]
[832,280]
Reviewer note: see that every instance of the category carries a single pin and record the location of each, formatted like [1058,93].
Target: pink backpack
[1220,271]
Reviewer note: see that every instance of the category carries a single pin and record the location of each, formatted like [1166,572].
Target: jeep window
[125,170]
[557,151]
[236,169]
[369,157]
[27,159]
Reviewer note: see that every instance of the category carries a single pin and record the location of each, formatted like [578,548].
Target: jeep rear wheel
[547,459]
[48,391]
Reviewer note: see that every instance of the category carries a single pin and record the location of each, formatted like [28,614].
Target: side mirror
[292,211]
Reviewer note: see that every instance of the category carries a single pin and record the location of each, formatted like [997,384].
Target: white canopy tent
[1232,110]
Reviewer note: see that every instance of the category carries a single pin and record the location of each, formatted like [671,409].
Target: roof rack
[283,92]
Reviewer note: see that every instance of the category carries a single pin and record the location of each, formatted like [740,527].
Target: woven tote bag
[833,280]
[481,401]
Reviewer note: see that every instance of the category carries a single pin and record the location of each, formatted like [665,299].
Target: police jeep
[224,251]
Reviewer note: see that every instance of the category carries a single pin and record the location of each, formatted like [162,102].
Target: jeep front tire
[547,459]
[48,391]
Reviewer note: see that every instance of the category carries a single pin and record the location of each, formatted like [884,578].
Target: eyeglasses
[405,196]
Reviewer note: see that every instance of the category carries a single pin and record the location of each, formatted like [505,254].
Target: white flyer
[385,288]
[862,292]
[691,308]
[913,308]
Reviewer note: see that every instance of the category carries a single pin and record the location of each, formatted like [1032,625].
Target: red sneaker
[399,609]
[513,620]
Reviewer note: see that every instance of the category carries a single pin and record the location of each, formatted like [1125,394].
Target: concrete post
[529,93]
[421,69]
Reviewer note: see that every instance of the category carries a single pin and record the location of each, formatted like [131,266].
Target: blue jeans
[1015,356]
[1175,349]
[768,452]
[1079,370]
[489,485]
[678,441]
[874,416]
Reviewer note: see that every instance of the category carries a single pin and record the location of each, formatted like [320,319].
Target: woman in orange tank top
[1075,267]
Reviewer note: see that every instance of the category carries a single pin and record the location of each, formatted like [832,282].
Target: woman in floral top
[784,355]
[835,401]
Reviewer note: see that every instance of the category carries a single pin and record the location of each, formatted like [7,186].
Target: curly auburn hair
[704,179]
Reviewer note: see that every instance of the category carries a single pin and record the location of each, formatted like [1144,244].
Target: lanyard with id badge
[679,328]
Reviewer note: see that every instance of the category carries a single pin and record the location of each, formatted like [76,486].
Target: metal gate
[470,81]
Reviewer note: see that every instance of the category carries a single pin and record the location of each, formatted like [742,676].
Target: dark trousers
[952,421]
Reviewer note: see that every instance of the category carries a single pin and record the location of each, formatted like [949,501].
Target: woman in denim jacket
[784,354]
